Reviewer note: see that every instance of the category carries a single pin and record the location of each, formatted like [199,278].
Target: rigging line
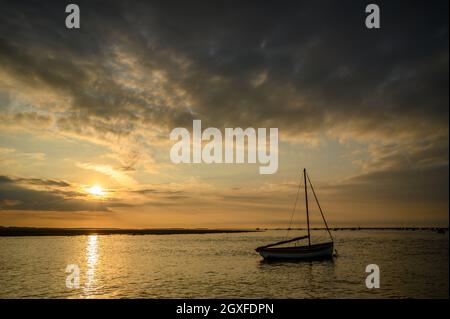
[295,205]
[320,208]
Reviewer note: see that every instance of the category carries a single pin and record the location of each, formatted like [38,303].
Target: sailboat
[310,251]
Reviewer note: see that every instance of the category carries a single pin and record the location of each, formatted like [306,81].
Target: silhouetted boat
[310,251]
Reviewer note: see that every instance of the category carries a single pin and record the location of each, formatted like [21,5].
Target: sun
[96,190]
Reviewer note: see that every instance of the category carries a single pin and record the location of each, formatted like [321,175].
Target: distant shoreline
[37,231]
[42,231]
[363,228]
[445,229]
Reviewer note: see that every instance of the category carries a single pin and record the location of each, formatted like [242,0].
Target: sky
[364,110]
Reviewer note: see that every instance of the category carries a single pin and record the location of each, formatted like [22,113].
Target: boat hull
[317,251]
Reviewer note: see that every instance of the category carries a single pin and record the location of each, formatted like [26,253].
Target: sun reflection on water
[91,262]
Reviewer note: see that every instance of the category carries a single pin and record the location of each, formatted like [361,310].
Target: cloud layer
[133,73]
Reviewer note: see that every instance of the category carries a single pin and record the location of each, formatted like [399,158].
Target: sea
[411,264]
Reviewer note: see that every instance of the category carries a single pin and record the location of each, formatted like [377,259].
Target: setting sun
[96,190]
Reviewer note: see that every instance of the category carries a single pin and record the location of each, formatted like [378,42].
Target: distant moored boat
[310,251]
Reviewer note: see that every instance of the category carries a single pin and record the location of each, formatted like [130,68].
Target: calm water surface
[413,264]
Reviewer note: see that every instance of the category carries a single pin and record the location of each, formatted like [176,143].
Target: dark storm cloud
[422,185]
[37,51]
[321,64]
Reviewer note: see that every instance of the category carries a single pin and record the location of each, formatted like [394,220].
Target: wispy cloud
[121,176]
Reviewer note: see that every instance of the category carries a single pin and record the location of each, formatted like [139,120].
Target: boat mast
[320,208]
[306,202]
